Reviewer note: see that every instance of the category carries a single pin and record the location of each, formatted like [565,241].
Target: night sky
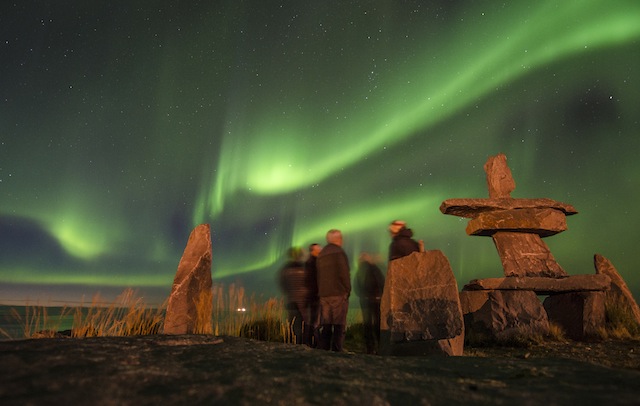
[125,124]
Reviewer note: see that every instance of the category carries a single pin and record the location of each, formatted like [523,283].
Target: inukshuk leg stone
[525,254]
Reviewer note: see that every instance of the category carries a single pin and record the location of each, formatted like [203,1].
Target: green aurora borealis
[124,125]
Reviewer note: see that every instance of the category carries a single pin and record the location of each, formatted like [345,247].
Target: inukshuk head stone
[499,179]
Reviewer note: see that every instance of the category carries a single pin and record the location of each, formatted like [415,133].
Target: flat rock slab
[471,208]
[544,222]
[541,285]
[188,369]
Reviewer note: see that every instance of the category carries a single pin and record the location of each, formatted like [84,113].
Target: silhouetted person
[295,286]
[314,300]
[402,242]
[334,288]
[369,284]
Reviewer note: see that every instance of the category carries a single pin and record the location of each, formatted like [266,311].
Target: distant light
[241,309]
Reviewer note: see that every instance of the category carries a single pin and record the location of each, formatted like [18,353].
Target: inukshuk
[517,227]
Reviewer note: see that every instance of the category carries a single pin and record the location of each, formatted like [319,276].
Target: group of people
[317,290]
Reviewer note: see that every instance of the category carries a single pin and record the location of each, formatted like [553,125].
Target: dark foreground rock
[190,369]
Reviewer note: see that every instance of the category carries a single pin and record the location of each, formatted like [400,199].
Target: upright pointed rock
[190,307]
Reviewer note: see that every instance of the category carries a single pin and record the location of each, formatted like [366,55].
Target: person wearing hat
[402,242]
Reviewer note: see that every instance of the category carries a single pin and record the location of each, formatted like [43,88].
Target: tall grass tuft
[37,323]
[236,315]
[204,308]
[267,322]
[228,314]
[556,333]
[621,324]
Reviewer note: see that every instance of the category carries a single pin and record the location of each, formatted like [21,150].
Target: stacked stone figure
[500,307]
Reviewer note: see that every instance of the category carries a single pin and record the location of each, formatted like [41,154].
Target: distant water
[13,320]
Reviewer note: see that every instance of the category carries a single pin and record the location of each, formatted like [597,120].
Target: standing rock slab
[189,309]
[420,308]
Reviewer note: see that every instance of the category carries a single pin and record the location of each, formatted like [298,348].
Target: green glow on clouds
[277,159]
[276,125]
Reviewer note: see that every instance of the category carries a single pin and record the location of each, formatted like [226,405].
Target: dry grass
[128,315]
[204,307]
[223,311]
[620,322]
[236,315]
[37,323]
[229,310]
[516,338]
[556,333]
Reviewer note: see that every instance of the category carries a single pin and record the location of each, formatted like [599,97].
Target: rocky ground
[227,370]
[613,353]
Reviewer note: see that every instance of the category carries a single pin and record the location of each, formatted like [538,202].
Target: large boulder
[420,308]
[502,314]
[189,309]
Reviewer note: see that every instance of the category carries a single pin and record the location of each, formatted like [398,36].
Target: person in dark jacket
[402,242]
[314,303]
[334,288]
[294,282]
[369,286]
